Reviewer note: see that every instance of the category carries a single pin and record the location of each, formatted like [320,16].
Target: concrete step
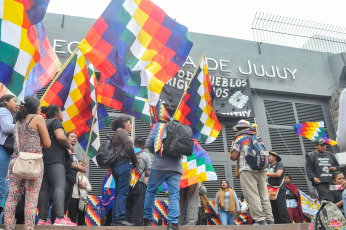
[197,227]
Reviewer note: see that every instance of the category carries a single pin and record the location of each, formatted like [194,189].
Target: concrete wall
[296,71]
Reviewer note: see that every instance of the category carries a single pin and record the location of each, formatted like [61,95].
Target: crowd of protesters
[60,192]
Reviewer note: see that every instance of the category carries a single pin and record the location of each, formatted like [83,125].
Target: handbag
[274,190]
[27,165]
[83,203]
[9,143]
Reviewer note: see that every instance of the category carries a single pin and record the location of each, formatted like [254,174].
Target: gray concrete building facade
[288,86]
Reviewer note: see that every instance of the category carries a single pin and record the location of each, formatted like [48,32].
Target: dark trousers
[74,212]
[68,195]
[279,209]
[53,184]
[322,190]
[135,204]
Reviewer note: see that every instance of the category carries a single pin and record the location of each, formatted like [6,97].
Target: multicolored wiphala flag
[197,168]
[313,131]
[137,48]
[59,89]
[159,113]
[77,113]
[27,61]
[44,71]
[75,92]
[101,120]
[196,108]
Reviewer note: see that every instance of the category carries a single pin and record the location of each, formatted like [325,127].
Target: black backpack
[179,139]
[106,157]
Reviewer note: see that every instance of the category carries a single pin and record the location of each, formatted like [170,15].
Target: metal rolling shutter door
[281,116]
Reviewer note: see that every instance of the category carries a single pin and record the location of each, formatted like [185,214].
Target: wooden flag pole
[133,127]
[255,125]
[91,131]
[90,134]
[59,73]
[188,86]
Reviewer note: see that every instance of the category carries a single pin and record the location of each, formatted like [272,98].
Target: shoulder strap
[31,119]
[17,136]
[78,185]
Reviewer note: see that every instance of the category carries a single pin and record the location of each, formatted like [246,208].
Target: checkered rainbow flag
[101,120]
[197,168]
[313,131]
[75,92]
[196,108]
[27,60]
[77,112]
[137,48]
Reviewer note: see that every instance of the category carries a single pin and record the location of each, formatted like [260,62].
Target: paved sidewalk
[199,227]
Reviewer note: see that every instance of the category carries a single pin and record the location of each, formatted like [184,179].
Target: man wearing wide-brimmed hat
[320,164]
[276,177]
[253,182]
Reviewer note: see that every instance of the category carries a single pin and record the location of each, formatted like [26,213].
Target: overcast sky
[220,17]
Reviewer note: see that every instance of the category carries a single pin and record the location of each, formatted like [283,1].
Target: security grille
[281,116]
[285,141]
[236,184]
[216,146]
[279,112]
[311,113]
[96,176]
[142,129]
[298,178]
[214,186]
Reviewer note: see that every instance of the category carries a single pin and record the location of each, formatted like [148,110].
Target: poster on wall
[232,96]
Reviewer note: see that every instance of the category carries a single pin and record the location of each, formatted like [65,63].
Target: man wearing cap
[319,167]
[253,182]
[276,177]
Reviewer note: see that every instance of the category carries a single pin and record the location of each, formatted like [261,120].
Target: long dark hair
[30,106]
[119,122]
[335,175]
[6,98]
[225,181]
[50,111]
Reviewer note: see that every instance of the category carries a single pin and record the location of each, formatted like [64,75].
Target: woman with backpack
[56,162]
[226,204]
[125,162]
[32,136]
[8,107]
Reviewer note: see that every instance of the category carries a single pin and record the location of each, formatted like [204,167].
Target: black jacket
[316,165]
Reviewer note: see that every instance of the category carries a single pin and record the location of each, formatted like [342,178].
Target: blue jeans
[5,159]
[226,218]
[121,172]
[156,177]
[344,200]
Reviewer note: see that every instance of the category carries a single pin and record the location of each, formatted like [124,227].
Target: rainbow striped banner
[160,212]
[93,215]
